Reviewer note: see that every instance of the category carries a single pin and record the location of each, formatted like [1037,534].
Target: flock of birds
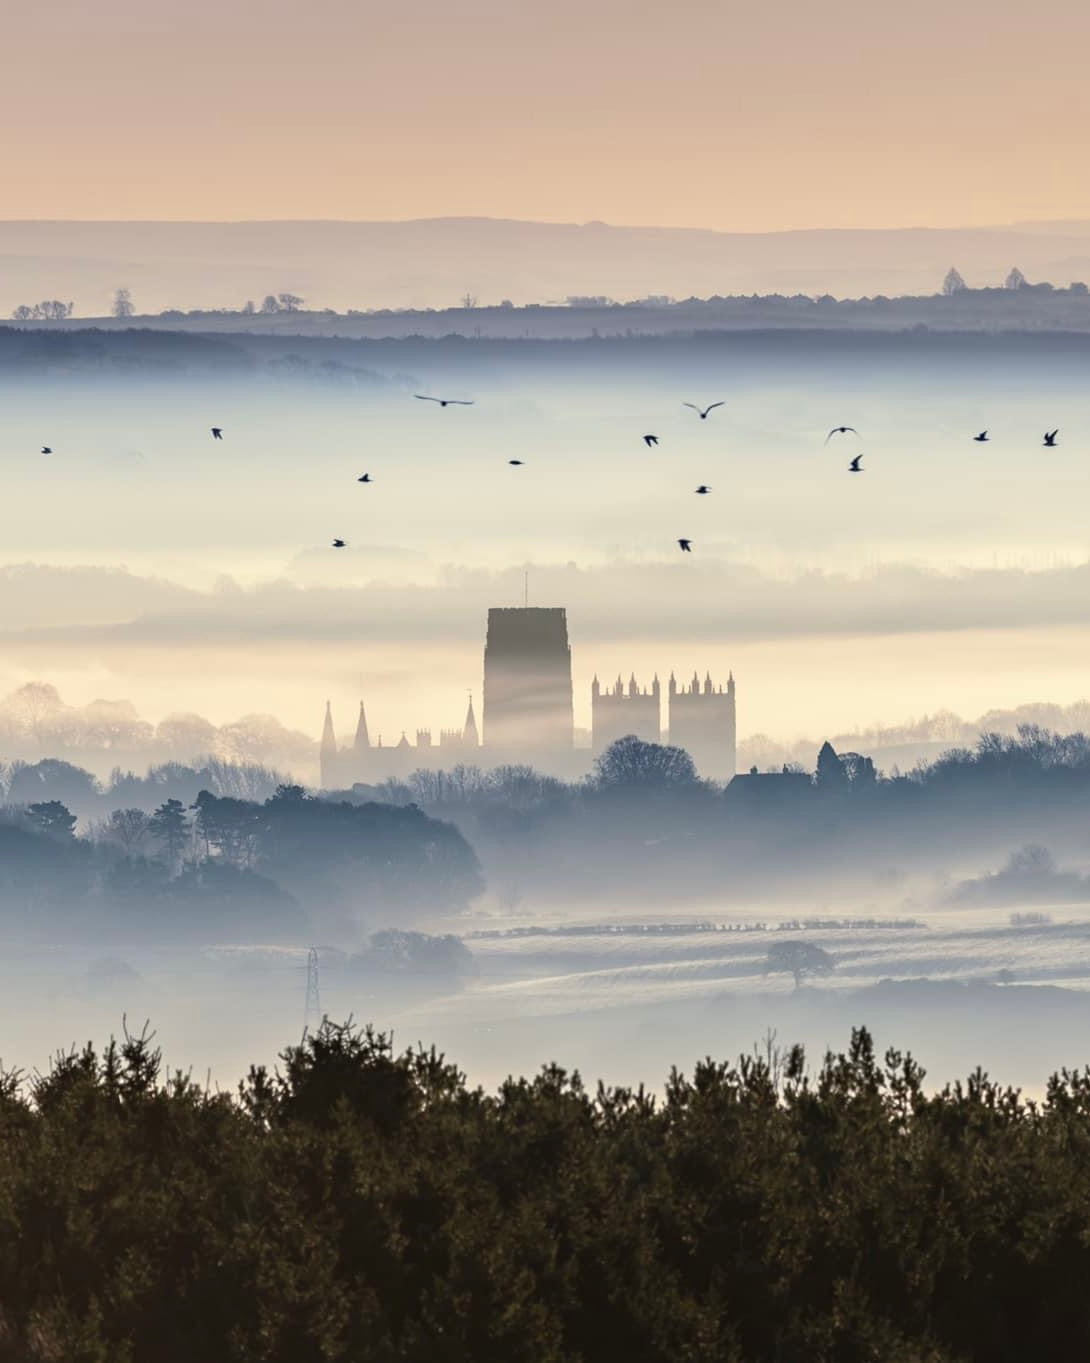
[685,545]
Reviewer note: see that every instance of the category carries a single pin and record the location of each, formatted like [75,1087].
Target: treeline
[358,1204]
[34,719]
[226,868]
[645,827]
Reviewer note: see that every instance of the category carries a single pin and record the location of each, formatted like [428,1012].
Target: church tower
[470,736]
[363,738]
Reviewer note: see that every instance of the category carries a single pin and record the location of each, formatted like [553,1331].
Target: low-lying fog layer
[621,1000]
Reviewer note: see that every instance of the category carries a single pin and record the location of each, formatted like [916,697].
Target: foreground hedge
[365,1206]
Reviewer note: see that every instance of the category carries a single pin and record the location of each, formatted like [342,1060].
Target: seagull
[47,449]
[686,546]
[338,544]
[514,461]
[364,478]
[217,432]
[856,466]
[445,402]
[1050,438]
[840,430]
[702,412]
[982,437]
[703,489]
[650,440]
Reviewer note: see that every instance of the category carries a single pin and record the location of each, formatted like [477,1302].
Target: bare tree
[469,300]
[290,302]
[123,304]
[1015,280]
[127,828]
[23,313]
[269,303]
[953,283]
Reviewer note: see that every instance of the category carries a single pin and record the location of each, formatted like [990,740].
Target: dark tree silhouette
[123,304]
[953,283]
[170,828]
[52,818]
[631,764]
[799,959]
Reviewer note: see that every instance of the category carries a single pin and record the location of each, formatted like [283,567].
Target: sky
[144,561]
[699,113]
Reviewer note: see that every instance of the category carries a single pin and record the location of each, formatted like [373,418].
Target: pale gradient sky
[699,113]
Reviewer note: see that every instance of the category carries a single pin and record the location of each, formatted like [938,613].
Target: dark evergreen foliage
[362,1205]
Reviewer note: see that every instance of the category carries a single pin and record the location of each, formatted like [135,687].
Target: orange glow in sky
[698,113]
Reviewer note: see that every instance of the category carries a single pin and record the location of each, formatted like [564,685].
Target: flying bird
[702,412]
[514,461]
[650,440]
[338,544]
[445,402]
[1050,438]
[840,430]
[364,478]
[856,466]
[217,432]
[686,546]
[982,437]
[47,449]
[703,490]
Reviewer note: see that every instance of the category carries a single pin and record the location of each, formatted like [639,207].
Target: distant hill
[434,262]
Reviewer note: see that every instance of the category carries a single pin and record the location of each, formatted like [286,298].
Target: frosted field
[623,1001]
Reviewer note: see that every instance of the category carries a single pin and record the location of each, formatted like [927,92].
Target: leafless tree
[123,304]
[290,302]
[127,828]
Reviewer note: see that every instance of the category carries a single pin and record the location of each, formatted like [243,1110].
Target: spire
[633,689]
[470,736]
[329,740]
[595,688]
[363,739]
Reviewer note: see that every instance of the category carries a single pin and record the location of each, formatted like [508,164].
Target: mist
[148,564]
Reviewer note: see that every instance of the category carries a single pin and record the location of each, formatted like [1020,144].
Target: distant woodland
[1018,306]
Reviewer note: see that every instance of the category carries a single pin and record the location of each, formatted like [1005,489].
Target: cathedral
[528,715]
[369,764]
[700,717]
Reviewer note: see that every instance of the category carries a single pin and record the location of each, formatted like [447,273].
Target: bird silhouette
[445,402]
[364,478]
[338,544]
[856,466]
[703,489]
[686,546]
[702,412]
[840,430]
[217,432]
[650,440]
[514,461]
[982,437]
[1050,438]
[47,449]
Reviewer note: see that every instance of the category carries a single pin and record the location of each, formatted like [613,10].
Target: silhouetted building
[527,684]
[618,712]
[702,720]
[770,792]
[368,763]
